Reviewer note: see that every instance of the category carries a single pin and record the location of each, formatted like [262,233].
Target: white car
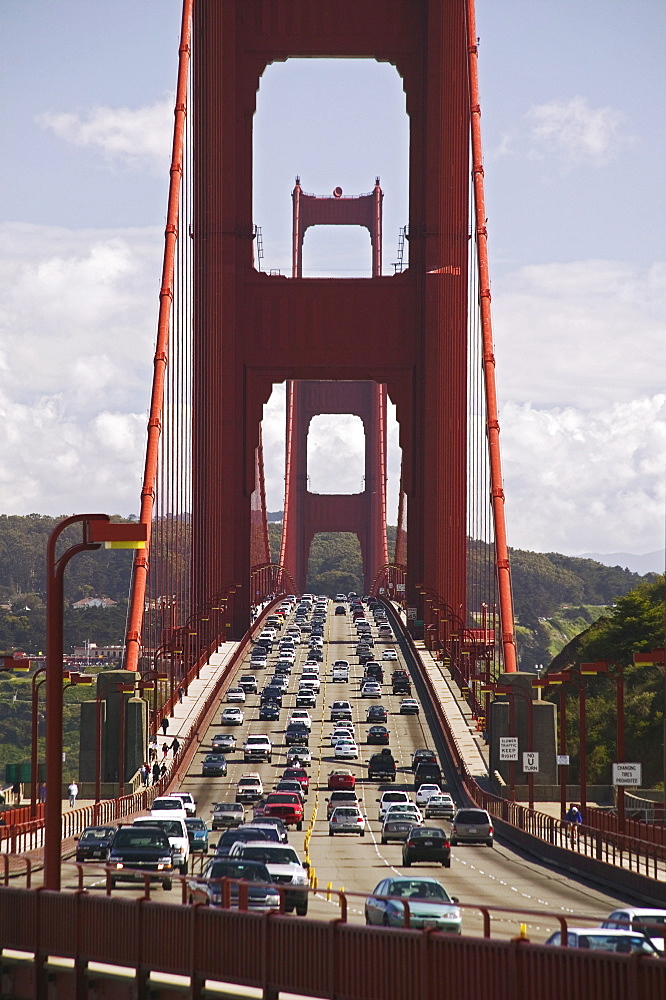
[389,654]
[257,746]
[440,805]
[188,803]
[400,810]
[371,689]
[284,865]
[311,679]
[346,750]
[232,717]
[236,694]
[249,788]
[311,666]
[346,819]
[426,792]
[391,798]
[301,715]
[342,733]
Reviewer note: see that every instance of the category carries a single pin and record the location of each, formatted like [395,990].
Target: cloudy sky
[573,96]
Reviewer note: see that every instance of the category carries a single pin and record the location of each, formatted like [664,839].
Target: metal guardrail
[626,853]
[274,952]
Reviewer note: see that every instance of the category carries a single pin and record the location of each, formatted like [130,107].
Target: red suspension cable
[492,421]
[139,578]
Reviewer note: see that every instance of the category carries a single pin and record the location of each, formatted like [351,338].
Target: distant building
[94,602]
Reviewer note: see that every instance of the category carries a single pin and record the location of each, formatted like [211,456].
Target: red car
[286,805]
[298,774]
[341,778]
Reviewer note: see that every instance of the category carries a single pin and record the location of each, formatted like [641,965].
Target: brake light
[490,829]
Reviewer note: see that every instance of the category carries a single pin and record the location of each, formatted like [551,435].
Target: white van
[176,830]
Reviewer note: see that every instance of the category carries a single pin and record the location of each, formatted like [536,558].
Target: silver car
[428,905]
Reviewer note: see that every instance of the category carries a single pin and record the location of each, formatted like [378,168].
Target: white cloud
[585,333]
[134,136]
[77,327]
[580,133]
[577,480]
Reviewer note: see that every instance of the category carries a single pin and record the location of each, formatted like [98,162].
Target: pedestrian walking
[163,770]
[156,773]
[165,750]
[42,792]
[16,792]
[180,697]
[73,792]
[152,754]
[145,774]
[165,725]
[175,745]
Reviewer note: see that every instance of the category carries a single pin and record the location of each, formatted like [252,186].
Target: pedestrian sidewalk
[180,723]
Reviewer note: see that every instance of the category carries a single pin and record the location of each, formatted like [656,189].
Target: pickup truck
[400,682]
[381,766]
[286,805]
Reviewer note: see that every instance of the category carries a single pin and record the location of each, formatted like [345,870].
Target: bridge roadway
[478,875]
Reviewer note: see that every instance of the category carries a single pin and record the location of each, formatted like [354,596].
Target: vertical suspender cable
[492,422]
[139,578]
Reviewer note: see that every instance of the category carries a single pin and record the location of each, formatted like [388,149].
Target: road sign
[411,614]
[530,762]
[508,748]
[627,774]
[562,759]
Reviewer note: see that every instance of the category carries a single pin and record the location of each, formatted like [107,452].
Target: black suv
[297,732]
[137,851]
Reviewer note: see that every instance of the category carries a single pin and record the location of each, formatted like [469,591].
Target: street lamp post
[96,529]
[562,678]
[601,667]
[34,754]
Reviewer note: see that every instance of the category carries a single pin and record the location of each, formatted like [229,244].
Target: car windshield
[195,824]
[272,855]
[250,870]
[471,816]
[171,827]
[227,807]
[168,805]
[231,836]
[136,837]
[99,833]
[282,797]
[414,889]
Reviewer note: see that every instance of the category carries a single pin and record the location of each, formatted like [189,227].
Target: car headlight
[301,879]
[119,864]
[272,899]
[164,863]
[178,850]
